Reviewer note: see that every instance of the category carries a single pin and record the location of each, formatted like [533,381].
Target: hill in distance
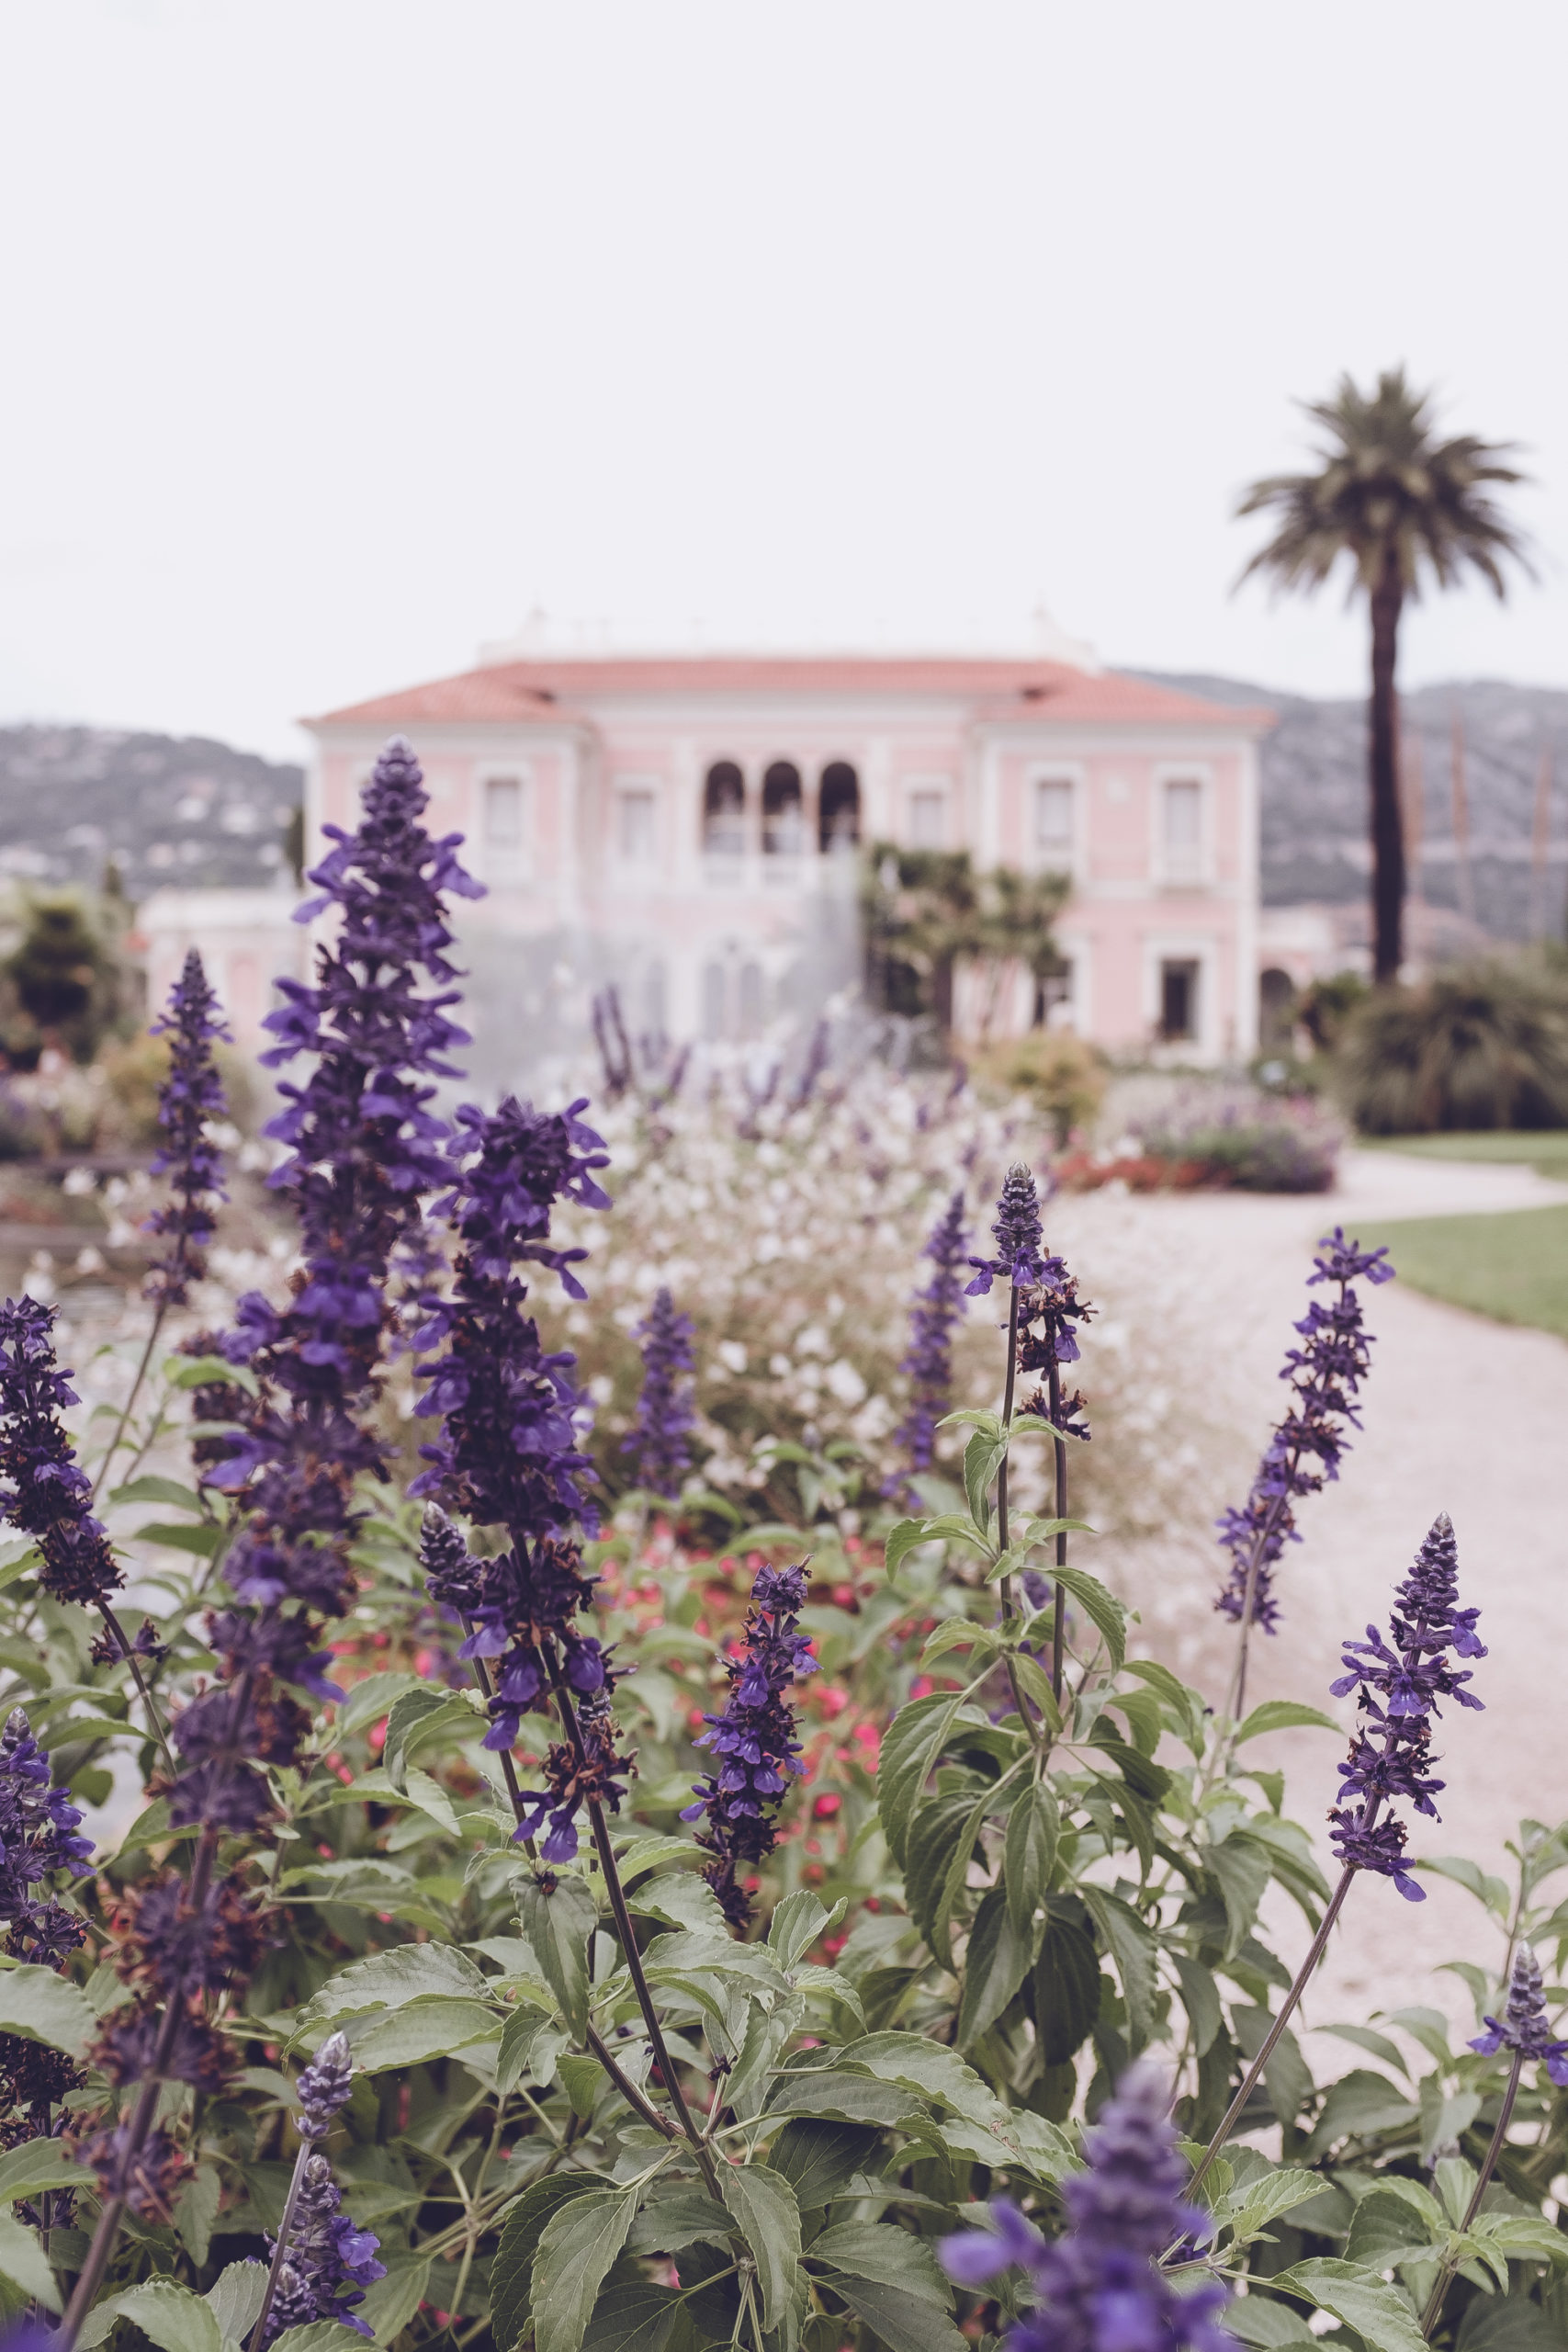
[165,808]
[1508,740]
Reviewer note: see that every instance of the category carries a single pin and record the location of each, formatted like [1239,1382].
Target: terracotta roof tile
[1006,688]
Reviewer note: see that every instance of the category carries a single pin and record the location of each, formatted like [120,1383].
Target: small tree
[65,977]
[925,910]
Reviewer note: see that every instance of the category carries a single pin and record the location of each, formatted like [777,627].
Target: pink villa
[682,825]
[679,823]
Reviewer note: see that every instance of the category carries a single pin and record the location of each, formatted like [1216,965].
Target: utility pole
[1464,877]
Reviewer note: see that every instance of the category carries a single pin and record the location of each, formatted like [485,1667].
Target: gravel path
[1460,1415]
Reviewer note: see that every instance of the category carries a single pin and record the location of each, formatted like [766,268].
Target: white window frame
[510,864]
[1077,949]
[1036,857]
[926,786]
[646,787]
[1202,876]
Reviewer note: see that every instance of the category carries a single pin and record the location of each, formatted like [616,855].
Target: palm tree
[1402,504]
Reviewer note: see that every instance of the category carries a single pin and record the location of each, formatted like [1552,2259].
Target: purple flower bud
[330,2262]
[934,1316]
[323,2087]
[753,1739]
[48,1496]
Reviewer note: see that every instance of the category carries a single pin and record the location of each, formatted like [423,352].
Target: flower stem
[113,2209]
[1006,1589]
[628,1942]
[1287,2006]
[1059,1617]
[130,1406]
[130,1658]
[1433,2312]
[281,2250]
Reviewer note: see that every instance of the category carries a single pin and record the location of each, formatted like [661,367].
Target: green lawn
[1512,1265]
[1546,1150]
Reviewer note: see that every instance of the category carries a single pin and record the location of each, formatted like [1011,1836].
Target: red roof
[540,689]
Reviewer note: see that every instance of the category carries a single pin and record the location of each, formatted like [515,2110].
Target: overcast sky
[340,334]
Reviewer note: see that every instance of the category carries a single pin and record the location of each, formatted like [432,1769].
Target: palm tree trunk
[1387,830]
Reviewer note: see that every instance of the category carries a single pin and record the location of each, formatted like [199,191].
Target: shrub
[1054,1070]
[1239,1138]
[1486,1046]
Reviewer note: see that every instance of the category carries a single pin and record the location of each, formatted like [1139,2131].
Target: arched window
[783,831]
[838,806]
[724,810]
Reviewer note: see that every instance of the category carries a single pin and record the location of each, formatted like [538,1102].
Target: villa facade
[686,825]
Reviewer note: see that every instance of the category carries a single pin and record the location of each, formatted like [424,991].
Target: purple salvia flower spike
[1524,2027]
[47,1496]
[330,2261]
[1017,1233]
[507,1454]
[754,1744]
[1401,1680]
[934,1315]
[1099,2288]
[189,1100]
[665,1411]
[323,2087]
[1305,1451]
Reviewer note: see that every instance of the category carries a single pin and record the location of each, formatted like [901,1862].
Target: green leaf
[1132,1947]
[38,2165]
[368,1701]
[1101,1607]
[680,1899]
[391,2302]
[176,2320]
[576,2249]
[1285,1715]
[558,1926]
[1035,1684]
[958,1633]
[888,2256]
[1380,2314]
[24,2262]
[1358,2103]
[42,2006]
[1243,1866]
[998,1959]
[210,1371]
[819,2160]
[235,2298]
[420,1717]
[905,2322]
[519,2040]
[175,1536]
[151,1489]
[913,1741]
[1270,2327]
[1066,1986]
[982,1456]
[799,1922]
[632,2315]
[764,2207]
[907,1536]
[431,1798]
[1493,1891]
[688,2218]
[1200,1999]
[424,2028]
[513,2269]
[196,2210]
[320,2335]
[941,1846]
[847,2098]
[1249,2210]
[1386,2225]
[1377,2045]
[390,1978]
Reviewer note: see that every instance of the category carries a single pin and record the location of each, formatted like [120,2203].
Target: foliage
[1223,1136]
[64,980]
[582,2108]
[1061,1073]
[1482,1045]
[923,910]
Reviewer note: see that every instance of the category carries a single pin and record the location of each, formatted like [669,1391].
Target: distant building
[682,824]
[247,939]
